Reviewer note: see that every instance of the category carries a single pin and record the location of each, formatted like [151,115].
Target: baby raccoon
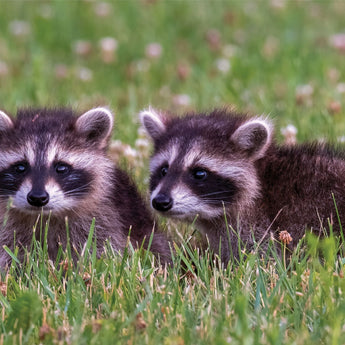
[54,165]
[226,165]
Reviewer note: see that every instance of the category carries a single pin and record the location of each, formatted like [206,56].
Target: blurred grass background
[274,57]
[277,57]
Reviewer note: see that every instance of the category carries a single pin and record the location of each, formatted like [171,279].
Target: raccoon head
[203,165]
[49,158]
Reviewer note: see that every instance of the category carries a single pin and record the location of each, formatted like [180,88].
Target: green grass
[272,51]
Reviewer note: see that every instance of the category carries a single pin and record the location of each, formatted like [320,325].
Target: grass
[258,56]
[129,300]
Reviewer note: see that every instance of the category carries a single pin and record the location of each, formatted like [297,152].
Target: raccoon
[54,165]
[225,168]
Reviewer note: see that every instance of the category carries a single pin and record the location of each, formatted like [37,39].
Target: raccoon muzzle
[162,202]
[38,198]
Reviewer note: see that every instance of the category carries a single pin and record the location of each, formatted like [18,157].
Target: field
[281,58]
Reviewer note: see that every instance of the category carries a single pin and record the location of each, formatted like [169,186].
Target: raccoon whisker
[216,198]
[219,199]
[80,193]
[217,202]
[75,193]
[80,188]
[215,193]
[75,212]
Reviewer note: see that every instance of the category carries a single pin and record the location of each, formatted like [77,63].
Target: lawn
[281,58]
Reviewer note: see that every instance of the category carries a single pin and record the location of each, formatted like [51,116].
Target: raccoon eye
[199,174]
[164,170]
[62,168]
[20,168]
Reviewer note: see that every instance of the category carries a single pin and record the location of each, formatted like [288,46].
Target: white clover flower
[270,47]
[108,44]
[229,50]
[182,100]
[108,47]
[278,4]
[340,88]
[84,74]
[142,132]
[116,145]
[61,71]
[337,41]
[153,50]
[142,144]
[289,133]
[82,47]
[305,90]
[142,65]
[19,28]
[304,94]
[130,154]
[3,69]
[46,11]
[103,9]
[213,38]
[223,65]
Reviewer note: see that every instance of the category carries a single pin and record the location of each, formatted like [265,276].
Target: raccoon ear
[253,137]
[153,122]
[5,122]
[97,125]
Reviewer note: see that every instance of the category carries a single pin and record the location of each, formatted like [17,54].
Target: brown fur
[39,137]
[272,188]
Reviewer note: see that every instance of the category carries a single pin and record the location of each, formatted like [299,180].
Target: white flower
[289,133]
[130,153]
[142,144]
[108,44]
[61,71]
[108,47]
[141,65]
[337,41]
[341,87]
[213,38]
[3,69]
[153,50]
[223,65]
[19,28]
[103,9]
[229,50]
[304,90]
[182,100]
[84,74]
[279,4]
[82,48]
[289,130]
[46,11]
[304,94]
[142,132]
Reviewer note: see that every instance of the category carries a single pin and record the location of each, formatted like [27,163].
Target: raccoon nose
[38,198]
[162,202]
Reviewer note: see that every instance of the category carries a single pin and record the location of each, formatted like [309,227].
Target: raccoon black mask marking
[208,166]
[54,164]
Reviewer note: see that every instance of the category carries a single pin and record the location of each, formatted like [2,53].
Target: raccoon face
[204,165]
[49,159]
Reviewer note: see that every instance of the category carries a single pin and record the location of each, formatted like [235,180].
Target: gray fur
[41,140]
[263,188]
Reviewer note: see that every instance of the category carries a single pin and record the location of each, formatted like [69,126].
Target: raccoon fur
[208,167]
[54,165]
